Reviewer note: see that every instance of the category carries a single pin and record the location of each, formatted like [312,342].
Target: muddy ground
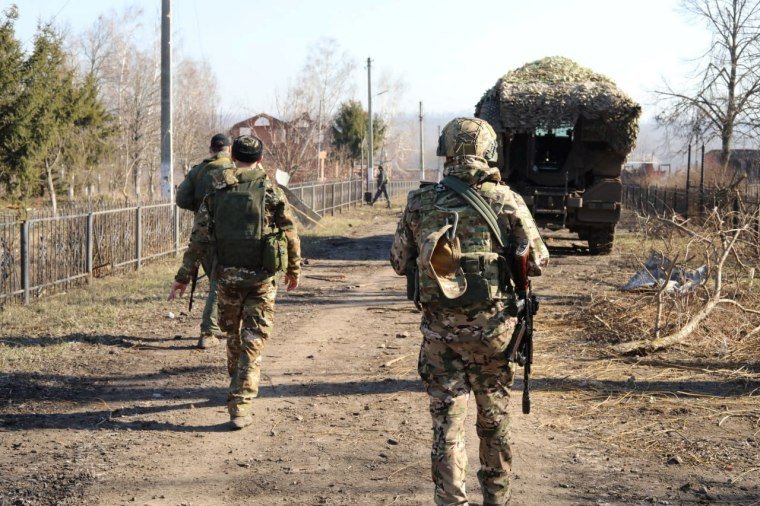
[104,399]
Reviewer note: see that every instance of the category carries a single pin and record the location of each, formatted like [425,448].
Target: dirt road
[132,413]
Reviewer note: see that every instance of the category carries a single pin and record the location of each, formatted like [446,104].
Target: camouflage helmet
[468,136]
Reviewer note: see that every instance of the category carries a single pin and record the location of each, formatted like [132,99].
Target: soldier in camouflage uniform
[467,298]
[255,238]
[190,195]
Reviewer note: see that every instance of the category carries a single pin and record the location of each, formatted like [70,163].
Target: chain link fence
[44,254]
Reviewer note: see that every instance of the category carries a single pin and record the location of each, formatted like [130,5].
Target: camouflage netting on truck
[556,91]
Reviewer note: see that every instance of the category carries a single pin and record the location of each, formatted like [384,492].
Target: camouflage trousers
[246,315]
[209,320]
[450,370]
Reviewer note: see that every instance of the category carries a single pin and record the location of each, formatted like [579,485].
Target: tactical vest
[485,269]
[239,219]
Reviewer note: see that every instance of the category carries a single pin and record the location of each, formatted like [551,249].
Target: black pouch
[412,287]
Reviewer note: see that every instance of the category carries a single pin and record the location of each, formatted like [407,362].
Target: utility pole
[320,169]
[369,128]
[422,154]
[167,161]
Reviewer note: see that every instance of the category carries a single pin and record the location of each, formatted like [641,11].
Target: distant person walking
[382,186]
[190,195]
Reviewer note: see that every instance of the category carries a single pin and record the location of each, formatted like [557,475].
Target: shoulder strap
[478,203]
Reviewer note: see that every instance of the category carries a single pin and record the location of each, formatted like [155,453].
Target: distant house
[746,161]
[287,143]
[267,128]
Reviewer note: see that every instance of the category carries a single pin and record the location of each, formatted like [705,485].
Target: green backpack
[239,226]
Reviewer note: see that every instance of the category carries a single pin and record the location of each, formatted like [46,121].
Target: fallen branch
[334,279]
[644,346]
[391,362]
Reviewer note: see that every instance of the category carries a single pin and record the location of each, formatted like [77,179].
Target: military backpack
[241,235]
[461,261]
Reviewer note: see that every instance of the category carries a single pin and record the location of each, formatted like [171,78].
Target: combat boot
[207,341]
[240,422]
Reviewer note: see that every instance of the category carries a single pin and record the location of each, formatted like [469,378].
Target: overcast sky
[447,52]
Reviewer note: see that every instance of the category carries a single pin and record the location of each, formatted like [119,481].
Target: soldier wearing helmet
[458,275]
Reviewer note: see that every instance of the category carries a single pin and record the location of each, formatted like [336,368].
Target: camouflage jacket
[479,321]
[279,213]
[197,183]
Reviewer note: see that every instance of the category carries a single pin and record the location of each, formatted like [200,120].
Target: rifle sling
[478,203]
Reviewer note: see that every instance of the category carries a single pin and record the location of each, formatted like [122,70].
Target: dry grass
[697,401]
[359,221]
[110,309]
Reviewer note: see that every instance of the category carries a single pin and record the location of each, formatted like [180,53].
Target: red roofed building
[288,145]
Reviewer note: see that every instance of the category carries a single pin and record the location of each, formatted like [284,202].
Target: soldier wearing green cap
[254,240]
[459,272]
[190,195]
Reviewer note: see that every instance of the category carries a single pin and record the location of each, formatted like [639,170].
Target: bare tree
[195,111]
[128,79]
[129,83]
[322,84]
[396,140]
[724,100]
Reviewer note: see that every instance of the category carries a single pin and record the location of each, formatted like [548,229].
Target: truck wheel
[600,241]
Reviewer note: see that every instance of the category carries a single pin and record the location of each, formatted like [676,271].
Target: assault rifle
[520,347]
[193,282]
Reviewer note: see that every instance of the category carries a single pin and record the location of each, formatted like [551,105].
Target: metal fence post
[176,231]
[138,236]
[88,246]
[314,198]
[332,202]
[324,198]
[25,260]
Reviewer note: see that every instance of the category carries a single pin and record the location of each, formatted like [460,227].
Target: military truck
[564,134]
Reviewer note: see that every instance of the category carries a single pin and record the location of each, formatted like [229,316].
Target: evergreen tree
[11,70]
[49,118]
[349,129]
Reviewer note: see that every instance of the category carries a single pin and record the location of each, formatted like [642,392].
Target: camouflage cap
[468,136]
[247,148]
[440,258]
